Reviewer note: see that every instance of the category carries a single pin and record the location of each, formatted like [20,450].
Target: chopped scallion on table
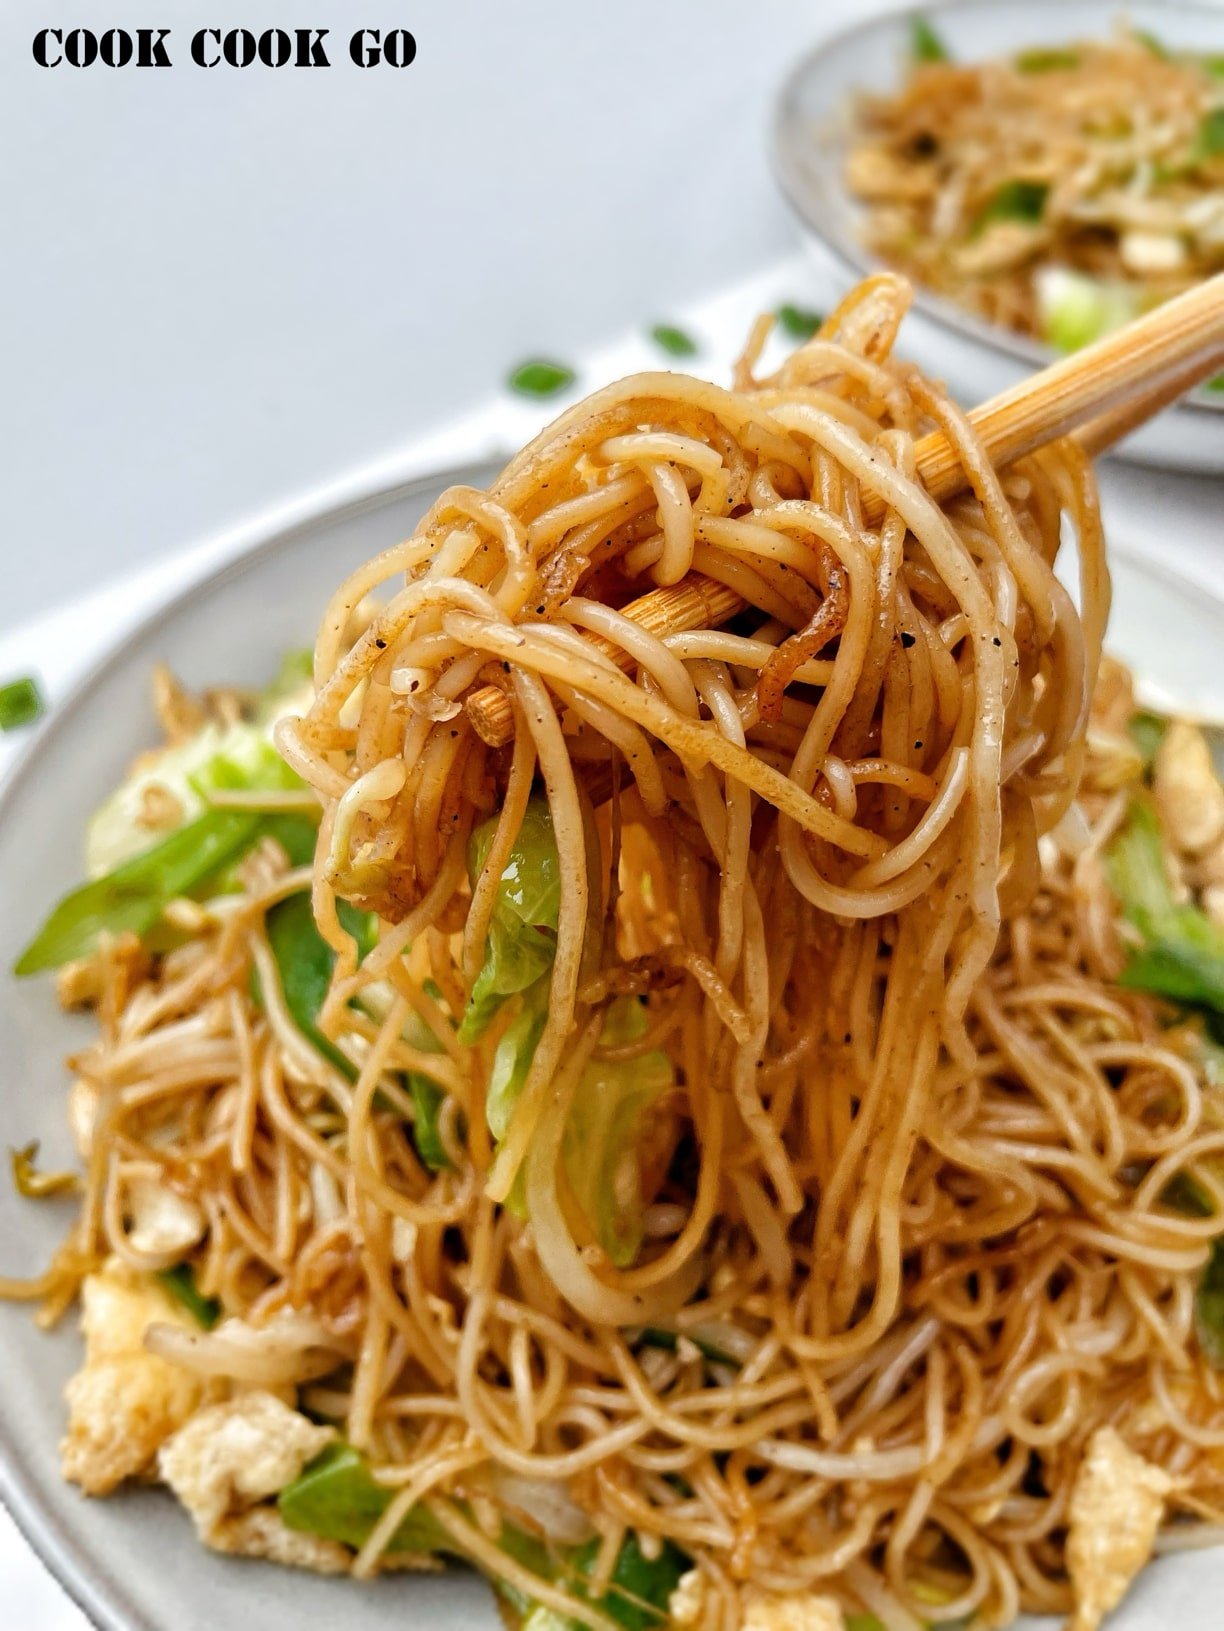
[21,703]
[540,377]
[925,44]
[799,321]
[673,340]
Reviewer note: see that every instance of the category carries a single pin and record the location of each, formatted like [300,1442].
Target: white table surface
[226,301]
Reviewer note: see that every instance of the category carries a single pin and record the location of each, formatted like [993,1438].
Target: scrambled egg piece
[763,1610]
[1116,1508]
[232,1455]
[686,1603]
[123,1403]
[767,1611]
[262,1533]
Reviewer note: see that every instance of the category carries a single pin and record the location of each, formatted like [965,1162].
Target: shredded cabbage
[522,938]
[1074,309]
[603,1139]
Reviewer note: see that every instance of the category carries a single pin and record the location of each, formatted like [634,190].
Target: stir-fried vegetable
[305,961]
[1181,958]
[654,1336]
[33,1185]
[512,1059]
[1210,142]
[291,688]
[135,895]
[1155,45]
[1075,309]
[522,941]
[180,1282]
[192,858]
[1181,955]
[603,1139]
[925,44]
[1147,731]
[1016,200]
[640,1588]
[1047,59]
[1209,1307]
[427,1101]
[237,757]
[338,1498]
[604,1134]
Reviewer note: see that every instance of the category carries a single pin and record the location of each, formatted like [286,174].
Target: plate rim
[86,1578]
[859,262]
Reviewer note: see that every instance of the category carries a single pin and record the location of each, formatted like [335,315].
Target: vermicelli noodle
[797,1204]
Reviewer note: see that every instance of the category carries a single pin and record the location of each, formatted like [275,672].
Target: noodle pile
[904,1247]
[1102,159]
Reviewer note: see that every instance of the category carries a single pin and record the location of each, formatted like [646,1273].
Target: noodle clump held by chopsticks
[821,803]
[723,1146]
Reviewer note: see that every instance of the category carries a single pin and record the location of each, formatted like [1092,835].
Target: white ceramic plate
[811,131]
[133,1562]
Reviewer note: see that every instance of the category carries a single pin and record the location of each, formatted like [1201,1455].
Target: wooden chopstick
[1112,427]
[1101,394]
[1119,381]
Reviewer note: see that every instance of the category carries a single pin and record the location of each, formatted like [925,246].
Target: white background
[218,286]
[219,289]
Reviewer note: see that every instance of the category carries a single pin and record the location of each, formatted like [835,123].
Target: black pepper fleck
[908,639]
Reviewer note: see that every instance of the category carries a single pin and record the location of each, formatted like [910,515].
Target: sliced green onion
[180,1282]
[134,896]
[1046,59]
[673,340]
[1210,143]
[654,1337]
[640,1588]
[427,1101]
[541,378]
[21,703]
[925,44]
[1154,44]
[1209,1307]
[1182,952]
[338,1498]
[799,321]
[1147,731]
[1016,200]
[304,961]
